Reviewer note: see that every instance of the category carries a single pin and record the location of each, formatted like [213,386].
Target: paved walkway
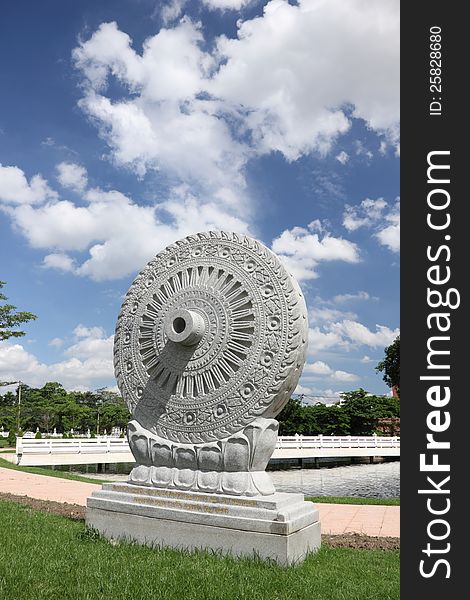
[383,521]
[335,518]
[44,487]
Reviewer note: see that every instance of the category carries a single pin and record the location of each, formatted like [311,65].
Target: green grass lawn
[46,556]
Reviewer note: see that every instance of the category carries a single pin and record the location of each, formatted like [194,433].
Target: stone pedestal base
[282,527]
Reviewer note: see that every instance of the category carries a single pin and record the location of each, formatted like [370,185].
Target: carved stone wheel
[211,335]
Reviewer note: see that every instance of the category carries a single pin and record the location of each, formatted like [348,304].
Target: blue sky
[125,125]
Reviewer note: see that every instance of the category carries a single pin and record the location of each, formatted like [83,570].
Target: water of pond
[381,480]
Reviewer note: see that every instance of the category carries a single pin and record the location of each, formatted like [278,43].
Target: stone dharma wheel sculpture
[210,344]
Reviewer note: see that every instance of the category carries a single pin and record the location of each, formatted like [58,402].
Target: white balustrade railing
[101,445]
[329,441]
[105,445]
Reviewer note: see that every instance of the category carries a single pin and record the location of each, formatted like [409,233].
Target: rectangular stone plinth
[282,527]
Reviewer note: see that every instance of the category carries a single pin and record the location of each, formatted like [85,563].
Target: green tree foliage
[11,439]
[326,420]
[114,413]
[357,414]
[390,365]
[9,318]
[365,409]
[8,411]
[52,407]
[291,419]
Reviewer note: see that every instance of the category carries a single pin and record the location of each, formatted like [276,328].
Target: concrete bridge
[82,451]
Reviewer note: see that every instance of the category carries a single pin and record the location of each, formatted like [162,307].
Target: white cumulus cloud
[390,237]
[378,215]
[15,189]
[342,157]
[318,368]
[302,251]
[322,369]
[293,77]
[357,333]
[344,376]
[200,112]
[71,175]
[320,339]
[171,10]
[366,214]
[164,124]
[87,363]
[325,314]
[59,261]
[226,4]
[117,235]
[361,295]
[346,334]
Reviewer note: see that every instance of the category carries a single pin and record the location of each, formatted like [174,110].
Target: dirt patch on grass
[64,509]
[74,511]
[359,541]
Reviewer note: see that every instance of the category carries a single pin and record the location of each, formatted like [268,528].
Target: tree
[291,418]
[326,420]
[114,414]
[111,410]
[10,318]
[365,410]
[11,439]
[390,365]
[8,415]
[312,420]
[51,406]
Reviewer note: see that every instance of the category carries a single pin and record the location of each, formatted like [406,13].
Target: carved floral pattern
[251,353]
